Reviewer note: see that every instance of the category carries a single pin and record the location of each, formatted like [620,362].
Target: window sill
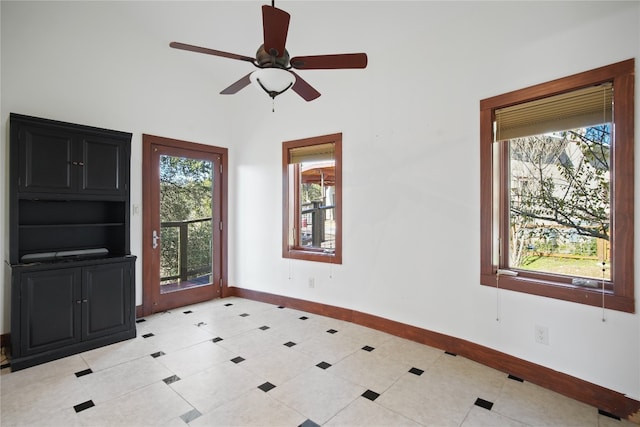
[561,291]
[313,255]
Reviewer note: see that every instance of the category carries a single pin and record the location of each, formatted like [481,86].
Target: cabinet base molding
[602,398]
[48,356]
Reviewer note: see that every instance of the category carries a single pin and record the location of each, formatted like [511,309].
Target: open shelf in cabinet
[52,226]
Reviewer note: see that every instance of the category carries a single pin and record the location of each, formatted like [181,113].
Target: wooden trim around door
[147,141]
[600,397]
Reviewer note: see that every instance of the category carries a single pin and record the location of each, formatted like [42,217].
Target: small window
[557,188]
[312,196]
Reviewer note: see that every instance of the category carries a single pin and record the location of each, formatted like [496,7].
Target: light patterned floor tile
[412,353]
[210,389]
[255,408]
[38,399]
[192,380]
[153,405]
[115,354]
[363,412]
[480,417]
[370,370]
[196,358]
[280,364]
[426,402]
[122,379]
[535,405]
[317,394]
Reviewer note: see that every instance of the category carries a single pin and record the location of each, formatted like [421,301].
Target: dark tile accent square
[290,344]
[237,359]
[140,320]
[83,373]
[608,414]
[368,348]
[228,304]
[84,405]
[148,335]
[266,386]
[5,366]
[244,314]
[216,339]
[416,371]
[190,416]
[450,354]
[513,377]
[304,318]
[158,354]
[188,312]
[332,331]
[371,395]
[171,379]
[323,365]
[264,328]
[309,423]
[484,404]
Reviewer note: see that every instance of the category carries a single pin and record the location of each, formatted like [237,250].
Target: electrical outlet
[541,334]
[312,282]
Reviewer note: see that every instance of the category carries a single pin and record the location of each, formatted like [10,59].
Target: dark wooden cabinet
[70,161]
[47,313]
[73,278]
[64,310]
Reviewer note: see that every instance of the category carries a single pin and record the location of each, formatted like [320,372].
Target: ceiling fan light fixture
[273,81]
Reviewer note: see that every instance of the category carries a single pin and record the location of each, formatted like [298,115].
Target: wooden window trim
[620,295]
[307,254]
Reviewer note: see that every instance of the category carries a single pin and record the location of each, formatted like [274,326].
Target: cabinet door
[107,290]
[50,309]
[103,166]
[46,160]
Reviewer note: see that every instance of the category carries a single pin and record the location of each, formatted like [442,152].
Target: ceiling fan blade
[275,24]
[240,84]
[304,89]
[324,62]
[198,49]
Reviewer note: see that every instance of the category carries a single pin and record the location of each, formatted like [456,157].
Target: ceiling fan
[274,74]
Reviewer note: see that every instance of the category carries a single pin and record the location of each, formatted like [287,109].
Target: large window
[557,188]
[312,197]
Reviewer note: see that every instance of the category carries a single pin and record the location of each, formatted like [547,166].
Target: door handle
[155,239]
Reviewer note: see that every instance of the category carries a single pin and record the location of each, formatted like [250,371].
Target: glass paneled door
[184,232]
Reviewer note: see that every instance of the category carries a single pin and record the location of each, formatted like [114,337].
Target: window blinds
[583,107]
[312,153]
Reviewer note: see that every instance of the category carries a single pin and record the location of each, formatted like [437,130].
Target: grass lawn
[568,266]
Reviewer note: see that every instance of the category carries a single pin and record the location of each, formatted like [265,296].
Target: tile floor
[236,362]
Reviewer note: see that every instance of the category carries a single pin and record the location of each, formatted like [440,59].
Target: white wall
[410,142]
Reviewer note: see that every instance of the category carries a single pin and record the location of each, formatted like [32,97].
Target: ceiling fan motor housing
[266,60]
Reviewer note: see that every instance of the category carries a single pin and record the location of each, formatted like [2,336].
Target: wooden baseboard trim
[602,398]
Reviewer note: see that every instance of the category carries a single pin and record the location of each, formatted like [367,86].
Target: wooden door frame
[147,229]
